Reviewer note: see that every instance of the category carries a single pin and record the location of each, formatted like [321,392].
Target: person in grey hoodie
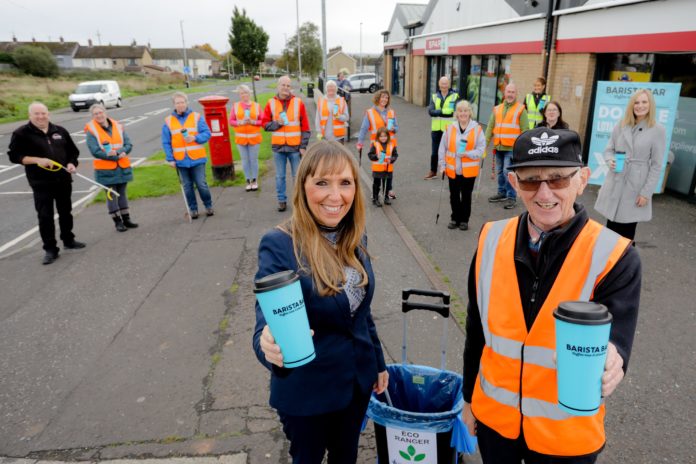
[461,148]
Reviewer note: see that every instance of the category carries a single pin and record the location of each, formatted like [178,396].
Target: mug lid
[275,280]
[583,312]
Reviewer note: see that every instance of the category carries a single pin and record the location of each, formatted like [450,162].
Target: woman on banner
[322,404]
[634,155]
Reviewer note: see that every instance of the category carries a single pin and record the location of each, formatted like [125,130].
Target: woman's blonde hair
[464,105]
[242,88]
[378,96]
[629,118]
[314,254]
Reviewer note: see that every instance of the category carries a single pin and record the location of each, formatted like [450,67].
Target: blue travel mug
[282,303]
[620,160]
[107,147]
[247,114]
[390,124]
[284,118]
[184,132]
[582,338]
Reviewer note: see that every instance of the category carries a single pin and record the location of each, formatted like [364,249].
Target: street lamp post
[361,66]
[299,48]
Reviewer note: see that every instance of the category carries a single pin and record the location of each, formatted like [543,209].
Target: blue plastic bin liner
[423,398]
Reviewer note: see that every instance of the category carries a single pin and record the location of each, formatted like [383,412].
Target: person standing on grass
[245,117]
[184,135]
[37,145]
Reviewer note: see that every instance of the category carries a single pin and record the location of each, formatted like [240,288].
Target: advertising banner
[610,104]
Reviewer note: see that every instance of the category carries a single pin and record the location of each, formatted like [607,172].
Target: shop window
[473,84]
[504,77]
[632,67]
[488,94]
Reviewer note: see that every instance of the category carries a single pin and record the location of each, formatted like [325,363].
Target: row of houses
[133,58]
[574,44]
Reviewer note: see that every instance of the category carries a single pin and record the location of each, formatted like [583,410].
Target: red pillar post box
[215,110]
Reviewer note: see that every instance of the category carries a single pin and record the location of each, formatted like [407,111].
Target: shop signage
[436,45]
[683,147]
[407,446]
[610,104]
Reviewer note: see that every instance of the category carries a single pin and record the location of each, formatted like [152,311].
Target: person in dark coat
[37,145]
[322,404]
[552,116]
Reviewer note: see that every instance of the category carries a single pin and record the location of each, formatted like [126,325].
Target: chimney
[14,38]
[61,39]
[133,43]
[89,43]
[33,39]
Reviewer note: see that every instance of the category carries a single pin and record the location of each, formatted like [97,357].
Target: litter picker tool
[57,167]
[477,186]
[360,157]
[439,202]
[187,214]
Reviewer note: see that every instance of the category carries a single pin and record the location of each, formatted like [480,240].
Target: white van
[86,94]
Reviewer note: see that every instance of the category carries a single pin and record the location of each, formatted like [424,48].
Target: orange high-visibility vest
[180,147]
[115,140]
[470,166]
[290,133]
[516,384]
[339,127]
[383,164]
[247,134]
[507,129]
[376,122]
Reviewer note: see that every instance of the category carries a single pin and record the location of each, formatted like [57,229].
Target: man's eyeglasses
[554,183]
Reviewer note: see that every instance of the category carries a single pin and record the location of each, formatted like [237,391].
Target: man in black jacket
[36,145]
[548,175]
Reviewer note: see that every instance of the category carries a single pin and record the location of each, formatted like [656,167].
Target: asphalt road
[142,117]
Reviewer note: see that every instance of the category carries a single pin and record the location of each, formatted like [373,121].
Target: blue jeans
[503,159]
[195,175]
[281,159]
[250,160]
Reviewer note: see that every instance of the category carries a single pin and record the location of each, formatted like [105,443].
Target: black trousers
[435,137]
[338,432]
[496,449]
[460,197]
[44,197]
[627,230]
[376,185]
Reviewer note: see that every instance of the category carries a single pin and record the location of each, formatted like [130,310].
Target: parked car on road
[108,93]
[364,82]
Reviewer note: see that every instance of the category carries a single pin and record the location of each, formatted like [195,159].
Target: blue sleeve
[95,149]
[127,144]
[167,143]
[203,131]
[363,129]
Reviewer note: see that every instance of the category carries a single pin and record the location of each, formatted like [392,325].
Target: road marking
[15,193]
[79,134]
[7,181]
[132,120]
[82,141]
[156,112]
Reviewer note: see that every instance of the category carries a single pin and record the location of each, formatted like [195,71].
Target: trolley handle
[441,309]
[407,292]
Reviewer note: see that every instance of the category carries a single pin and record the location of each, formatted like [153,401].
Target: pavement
[139,346]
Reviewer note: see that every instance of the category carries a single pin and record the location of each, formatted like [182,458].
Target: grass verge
[155,178]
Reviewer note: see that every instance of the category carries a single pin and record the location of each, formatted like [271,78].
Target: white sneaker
[254,186]
[248,187]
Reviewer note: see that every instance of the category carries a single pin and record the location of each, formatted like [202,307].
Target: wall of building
[338,62]
[524,70]
[570,83]
[387,71]
[419,73]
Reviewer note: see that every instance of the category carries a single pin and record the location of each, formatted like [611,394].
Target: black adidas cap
[544,147]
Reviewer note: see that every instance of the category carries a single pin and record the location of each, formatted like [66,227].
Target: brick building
[482,46]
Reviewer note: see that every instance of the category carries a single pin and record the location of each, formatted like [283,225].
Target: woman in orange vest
[110,145]
[245,117]
[383,155]
[332,116]
[461,148]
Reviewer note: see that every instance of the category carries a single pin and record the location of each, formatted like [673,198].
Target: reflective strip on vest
[376,121]
[290,133]
[247,134]
[438,123]
[534,112]
[180,147]
[115,140]
[507,127]
[469,166]
[385,165]
[339,127]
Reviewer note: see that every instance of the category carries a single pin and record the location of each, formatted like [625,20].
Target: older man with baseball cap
[523,268]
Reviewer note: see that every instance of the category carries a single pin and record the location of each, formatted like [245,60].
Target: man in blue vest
[441,111]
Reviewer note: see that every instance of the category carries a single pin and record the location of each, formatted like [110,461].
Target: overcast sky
[157,22]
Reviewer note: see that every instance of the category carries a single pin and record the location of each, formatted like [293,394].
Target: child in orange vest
[383,155]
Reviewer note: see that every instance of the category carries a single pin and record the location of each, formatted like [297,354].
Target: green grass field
[156,178]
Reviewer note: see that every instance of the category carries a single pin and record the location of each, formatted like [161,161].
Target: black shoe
[497,198]
[127,222]
[74,245]
[376,202]
[194,214]
[282,206]
[510,203]
[387,200]
[118,222]
[49,257]
[210,212]
[452,225]
[464,226]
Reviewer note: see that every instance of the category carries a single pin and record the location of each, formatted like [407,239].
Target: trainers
[392,195]
[282,206]
[210,212]
[376,202]
[387,200]
[464,226]
[248,187]
[50,257]
[74,245]
[498,197]
[254,186]
[430,175]
[452,225]
[510,203]
[194,214]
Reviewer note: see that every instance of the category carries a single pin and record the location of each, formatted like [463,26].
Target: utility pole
[229,76]
[299,48]
[287,56]
[323,42]
[98,37]
[183,44]
[361,67]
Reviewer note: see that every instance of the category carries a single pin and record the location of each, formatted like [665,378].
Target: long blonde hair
[314,254]
[629,118]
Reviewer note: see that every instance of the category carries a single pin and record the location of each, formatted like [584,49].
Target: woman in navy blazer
[322,404]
